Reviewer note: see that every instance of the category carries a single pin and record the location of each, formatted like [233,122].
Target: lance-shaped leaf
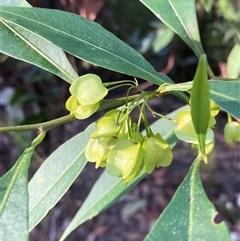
[108,189]
[190,215]
[84,39]
[226,94]
[55,176]
[180,16]
[105,192]
[14,197]
[200,103]
[22,44]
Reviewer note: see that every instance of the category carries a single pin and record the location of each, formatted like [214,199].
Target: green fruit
[123,158]
[109,126]
[185,130]
[136,170]
[88,89]
[84,111]
[106,127]
[80,111]
[120,118]
[72,103]
[214,108]
[232,132]
[97,151]
[156,153]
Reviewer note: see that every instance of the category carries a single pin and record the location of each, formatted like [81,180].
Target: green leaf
[180,16]
[84,39]
[29,47]
[55,176]
[233,63]
[15,3]
[109,189]
[190,215]
[14,198]
[200,103]
[105,192]
[226,94]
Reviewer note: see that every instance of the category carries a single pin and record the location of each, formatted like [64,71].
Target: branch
[46,126]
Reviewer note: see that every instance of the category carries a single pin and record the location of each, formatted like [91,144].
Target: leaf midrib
[18,168]
[192,200]
[181,22]
[81,40]
[34,47]
[57,180]
[220,94]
